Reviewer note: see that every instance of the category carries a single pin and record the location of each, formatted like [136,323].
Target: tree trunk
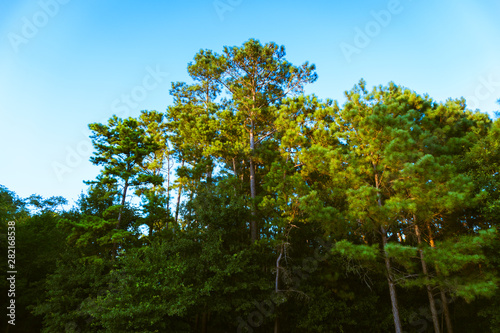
[178,198]
[277,282]
[253,222]
[446,311]
[178,204]
[390,282]
[392,287]
[435,319]
[168,184]
[449,326]
[204,323]
[124,196]
[118,223]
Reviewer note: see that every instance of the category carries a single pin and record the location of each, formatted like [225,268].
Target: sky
[67,63]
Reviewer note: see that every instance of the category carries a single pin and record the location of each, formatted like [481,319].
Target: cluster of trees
[250,207]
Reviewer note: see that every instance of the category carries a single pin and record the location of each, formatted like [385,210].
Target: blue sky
[67,63]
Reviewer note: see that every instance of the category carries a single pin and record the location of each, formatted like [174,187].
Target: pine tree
[256,77]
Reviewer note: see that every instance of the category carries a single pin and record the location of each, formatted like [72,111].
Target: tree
[256,77]
[376,137]
[156,167]
[190,123]
[433,186]
[37,246]
[199,279]
[122,148]
[86,256]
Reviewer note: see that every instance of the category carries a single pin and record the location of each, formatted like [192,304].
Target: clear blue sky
[67,63]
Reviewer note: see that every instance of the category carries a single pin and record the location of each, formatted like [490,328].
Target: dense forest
[249,206]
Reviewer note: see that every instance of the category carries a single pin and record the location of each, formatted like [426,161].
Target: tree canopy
[250,206]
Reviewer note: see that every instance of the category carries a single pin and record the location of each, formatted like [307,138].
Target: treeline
[250,207]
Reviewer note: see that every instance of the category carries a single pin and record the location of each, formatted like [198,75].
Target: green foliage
[180,275]
[38,244]
[75,281]
[404,187]
[357,252]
